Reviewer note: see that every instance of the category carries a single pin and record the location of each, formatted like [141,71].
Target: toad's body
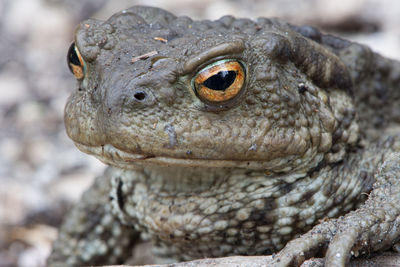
[231,137]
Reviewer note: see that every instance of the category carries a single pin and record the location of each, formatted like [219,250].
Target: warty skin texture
[313,133]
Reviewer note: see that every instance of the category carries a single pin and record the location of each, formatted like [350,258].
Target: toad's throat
[116,157]
[191,209]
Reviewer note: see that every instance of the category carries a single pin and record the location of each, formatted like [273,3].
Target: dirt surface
[41,172]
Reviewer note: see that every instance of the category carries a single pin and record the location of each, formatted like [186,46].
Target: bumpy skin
[313,135]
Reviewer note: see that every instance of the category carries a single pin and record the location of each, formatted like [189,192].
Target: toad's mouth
[111,155]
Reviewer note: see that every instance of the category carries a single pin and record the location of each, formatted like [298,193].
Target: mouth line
[111,155]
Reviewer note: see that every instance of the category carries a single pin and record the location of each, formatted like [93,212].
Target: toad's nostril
[140,96]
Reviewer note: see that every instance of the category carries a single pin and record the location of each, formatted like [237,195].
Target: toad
[231,137]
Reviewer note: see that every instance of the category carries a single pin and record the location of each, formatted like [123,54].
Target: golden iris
[220,81]
[76,63]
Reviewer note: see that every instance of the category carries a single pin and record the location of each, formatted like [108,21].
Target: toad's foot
[374,226]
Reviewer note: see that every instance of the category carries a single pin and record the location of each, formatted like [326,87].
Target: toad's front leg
[374,226]
[91,234]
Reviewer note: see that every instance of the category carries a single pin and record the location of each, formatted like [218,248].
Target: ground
[41,172]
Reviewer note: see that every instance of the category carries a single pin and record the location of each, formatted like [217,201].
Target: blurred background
[41,172]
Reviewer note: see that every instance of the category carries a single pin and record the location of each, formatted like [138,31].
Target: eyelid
[230,48]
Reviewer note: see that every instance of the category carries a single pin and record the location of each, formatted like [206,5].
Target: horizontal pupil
[221,81]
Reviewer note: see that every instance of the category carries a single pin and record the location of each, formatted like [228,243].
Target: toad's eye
[220,81]
[75,62]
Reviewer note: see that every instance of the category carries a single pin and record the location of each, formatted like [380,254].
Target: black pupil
[72,57]
[221,81]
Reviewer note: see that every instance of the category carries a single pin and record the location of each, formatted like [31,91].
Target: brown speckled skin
[314,132]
